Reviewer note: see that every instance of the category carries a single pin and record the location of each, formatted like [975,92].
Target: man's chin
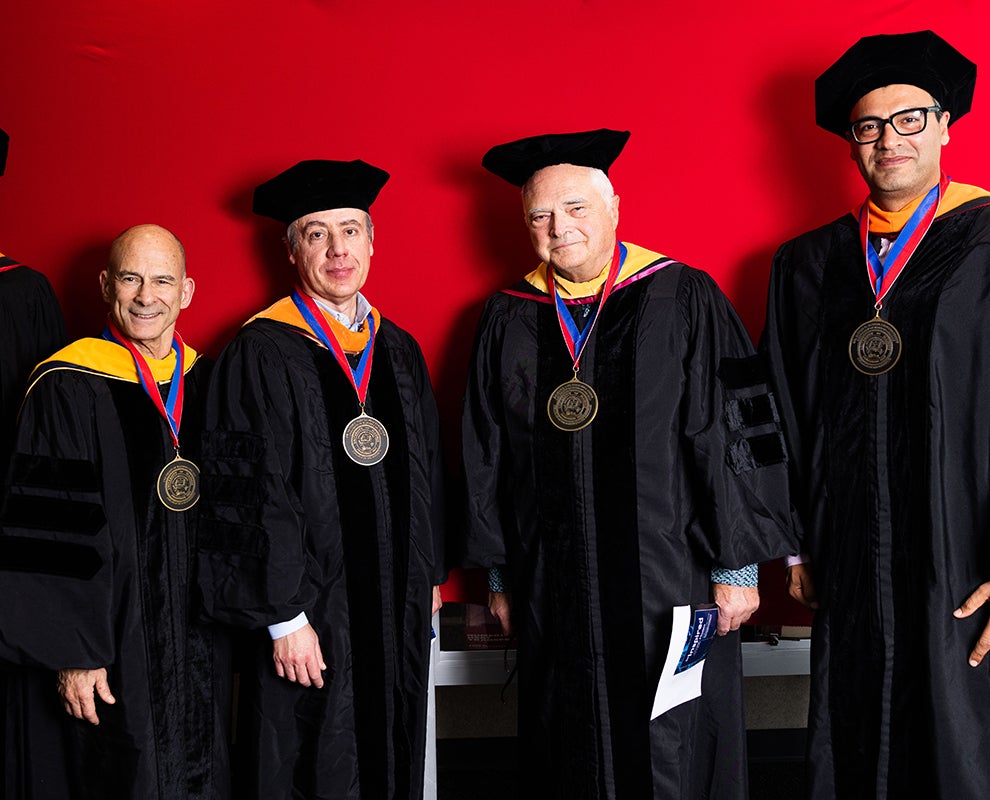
[137,330]
[568,260]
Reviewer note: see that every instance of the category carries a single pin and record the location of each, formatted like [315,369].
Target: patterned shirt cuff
[496,582]
[747,576]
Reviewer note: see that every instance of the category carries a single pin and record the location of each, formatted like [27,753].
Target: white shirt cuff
[793,561]
[281,629]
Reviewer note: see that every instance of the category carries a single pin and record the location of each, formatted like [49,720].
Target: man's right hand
[79,687]
[801,586]
[500,605]
[298,657]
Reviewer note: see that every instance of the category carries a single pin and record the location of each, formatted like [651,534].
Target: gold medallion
[572,405]
[365,440]
[178,485]
[875,347]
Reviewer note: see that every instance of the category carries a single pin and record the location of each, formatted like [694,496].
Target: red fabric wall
[170,111]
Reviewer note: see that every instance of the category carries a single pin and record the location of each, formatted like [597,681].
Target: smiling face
[572,219]
[332,251]
[146,286]
[898,168]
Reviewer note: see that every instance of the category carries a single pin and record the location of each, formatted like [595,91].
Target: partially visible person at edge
[98,533]
[31,329]
[876,332]
[325,511]
[656,482]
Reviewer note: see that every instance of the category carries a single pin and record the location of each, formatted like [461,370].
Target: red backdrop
[170,111]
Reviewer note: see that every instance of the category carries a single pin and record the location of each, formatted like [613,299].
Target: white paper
[691,638]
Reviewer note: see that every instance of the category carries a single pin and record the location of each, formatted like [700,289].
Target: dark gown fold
[891,480]
[604,530]
[295,526]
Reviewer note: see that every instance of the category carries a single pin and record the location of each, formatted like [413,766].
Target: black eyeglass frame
[890,121]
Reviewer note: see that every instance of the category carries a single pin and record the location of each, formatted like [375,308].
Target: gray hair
[292,233]
[604,186]
[599,180]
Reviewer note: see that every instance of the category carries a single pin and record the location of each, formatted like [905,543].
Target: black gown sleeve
[56,554]
[31,329]
[791,345]
[483,442]
[429,418]
[253,568]
[735,450]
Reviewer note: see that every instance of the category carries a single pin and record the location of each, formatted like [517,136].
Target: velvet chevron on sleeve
[603,531]
[97,573]
[293,525]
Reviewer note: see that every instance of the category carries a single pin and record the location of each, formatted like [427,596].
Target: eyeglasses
[907,123]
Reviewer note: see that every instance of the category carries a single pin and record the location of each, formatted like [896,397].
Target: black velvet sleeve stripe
[72,475]
[43,556]
[767,449]
[233,446]
[234,490]
[741,373]
[750,412]
[53,514]
[753,452]
[226,537]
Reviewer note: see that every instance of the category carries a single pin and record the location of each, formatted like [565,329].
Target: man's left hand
[80,688]
[973,604]
[298,657]
[437,601]
[736,604]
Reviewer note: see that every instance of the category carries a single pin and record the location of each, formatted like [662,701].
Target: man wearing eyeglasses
[877,337]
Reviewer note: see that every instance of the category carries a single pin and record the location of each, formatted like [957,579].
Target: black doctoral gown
[296,526]
[97,573]
[891,478]
[606,529]
[31,329]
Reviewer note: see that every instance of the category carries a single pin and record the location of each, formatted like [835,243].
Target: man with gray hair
[622,457]
[324,509]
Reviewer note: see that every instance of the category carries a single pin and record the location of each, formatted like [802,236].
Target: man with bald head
[877,329]
[98,530]
[622,457]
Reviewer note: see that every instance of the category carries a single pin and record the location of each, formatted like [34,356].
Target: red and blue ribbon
[883,275]
[171,407]
[575,338]
[359,376]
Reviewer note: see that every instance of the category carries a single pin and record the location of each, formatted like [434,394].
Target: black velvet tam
[517,161]
[319,185]
[921,59]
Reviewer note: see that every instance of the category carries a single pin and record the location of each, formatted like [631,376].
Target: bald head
[146,285]
[140,237]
